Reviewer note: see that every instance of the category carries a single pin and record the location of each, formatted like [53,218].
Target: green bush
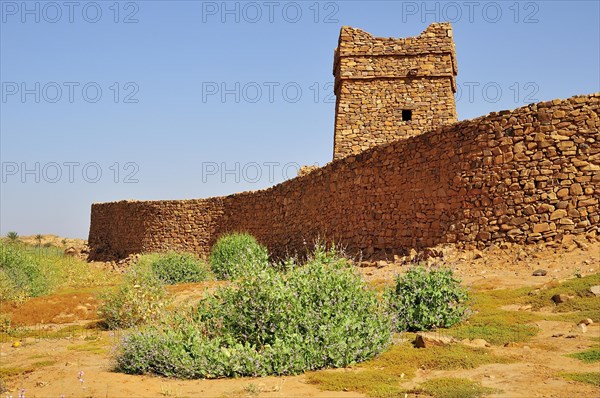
[173,267]
[22,274]
[141,298]
[423,299]
[318,315]
[238,255]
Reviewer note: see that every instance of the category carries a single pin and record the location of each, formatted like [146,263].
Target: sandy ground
[54,364]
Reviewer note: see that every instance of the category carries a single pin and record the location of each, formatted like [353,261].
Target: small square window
[406,115]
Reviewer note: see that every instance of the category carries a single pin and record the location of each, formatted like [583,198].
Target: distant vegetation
[22,274]
[30,271]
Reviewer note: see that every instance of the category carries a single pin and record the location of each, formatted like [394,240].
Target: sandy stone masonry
[389,88]
[528,175]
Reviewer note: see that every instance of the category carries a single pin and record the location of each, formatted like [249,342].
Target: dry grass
[583,303]
[493,324]
[372,382]
[382,376]
[98,347]
[450,387]
[588,356]
[9,373]
[592,378]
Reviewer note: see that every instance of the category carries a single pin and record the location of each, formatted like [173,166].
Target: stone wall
[526,175]
[376,79]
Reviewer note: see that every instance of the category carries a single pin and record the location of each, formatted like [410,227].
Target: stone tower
[389,88]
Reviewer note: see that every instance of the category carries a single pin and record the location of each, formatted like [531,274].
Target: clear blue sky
[161,67]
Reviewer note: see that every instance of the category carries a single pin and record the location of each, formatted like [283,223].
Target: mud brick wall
[528,175]
[376,79]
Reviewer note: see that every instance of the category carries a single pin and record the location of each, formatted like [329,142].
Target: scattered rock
[581,245]
[582,328]
[539,272]
[412,255]
[569,248]
[478,343]
[16,344]
[595,290]
[571,336]
[560,298]
[511,344]
[305,170]
[427,340]
[586,321]
[71,251]
[558,335]
[381,264]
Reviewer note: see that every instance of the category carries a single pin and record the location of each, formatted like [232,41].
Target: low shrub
[173,267]
[237,255]
[494,324]
[318,315]
[423,299]
[139,299]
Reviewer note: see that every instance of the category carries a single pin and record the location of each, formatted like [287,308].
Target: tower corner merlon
[392,88]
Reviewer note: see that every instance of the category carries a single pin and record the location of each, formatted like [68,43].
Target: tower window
[406,115]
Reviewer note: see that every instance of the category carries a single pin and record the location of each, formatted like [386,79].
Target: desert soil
[54,364]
